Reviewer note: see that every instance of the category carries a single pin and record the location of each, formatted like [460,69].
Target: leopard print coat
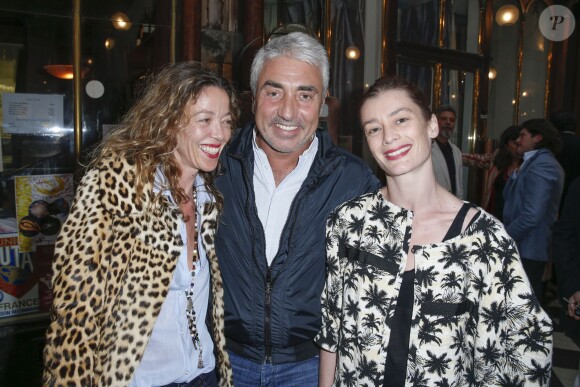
[114,261]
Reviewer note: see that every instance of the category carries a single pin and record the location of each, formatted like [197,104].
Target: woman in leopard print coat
[131,282]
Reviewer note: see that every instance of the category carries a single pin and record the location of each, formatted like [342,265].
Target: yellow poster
[42,204]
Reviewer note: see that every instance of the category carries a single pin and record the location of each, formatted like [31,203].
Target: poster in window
[24,278]
[24,113]
[42,204]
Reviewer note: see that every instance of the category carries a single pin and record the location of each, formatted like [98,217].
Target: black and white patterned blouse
[475,320]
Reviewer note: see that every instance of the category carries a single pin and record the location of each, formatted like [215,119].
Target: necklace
[190,312]
[194,255]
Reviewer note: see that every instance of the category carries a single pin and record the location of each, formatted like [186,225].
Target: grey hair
[445,108]
[295,45]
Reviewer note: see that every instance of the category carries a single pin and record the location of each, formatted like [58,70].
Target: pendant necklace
[189,293]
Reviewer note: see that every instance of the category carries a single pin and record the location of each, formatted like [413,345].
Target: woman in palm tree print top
[470,316]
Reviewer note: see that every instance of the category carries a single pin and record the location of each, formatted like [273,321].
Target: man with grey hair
[446,156]
[282,178]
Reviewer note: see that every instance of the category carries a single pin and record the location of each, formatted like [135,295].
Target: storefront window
[120,43]
[462,28]
[414,13]
[534,66]
[36,184]
[503,80]
[518,44]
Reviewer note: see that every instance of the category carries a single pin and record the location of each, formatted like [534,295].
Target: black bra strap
[455,228]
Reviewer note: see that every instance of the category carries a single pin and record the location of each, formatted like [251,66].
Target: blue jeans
[250,374]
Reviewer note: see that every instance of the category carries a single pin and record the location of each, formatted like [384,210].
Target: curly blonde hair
[147,135]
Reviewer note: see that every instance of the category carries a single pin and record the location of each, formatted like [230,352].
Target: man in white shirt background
[446,157]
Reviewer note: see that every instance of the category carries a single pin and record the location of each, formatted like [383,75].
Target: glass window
[120,43]
[220,37]
[534,66]
[36,163]
[461,29]
[308,13]
[457,89]
[414,13]
[502,84]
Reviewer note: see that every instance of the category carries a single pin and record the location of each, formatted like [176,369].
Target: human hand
[479,160]
[574,305]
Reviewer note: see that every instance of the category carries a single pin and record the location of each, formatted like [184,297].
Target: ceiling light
[120,21]
[507,15]
[352,52]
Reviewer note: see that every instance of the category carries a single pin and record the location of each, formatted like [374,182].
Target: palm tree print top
[475,320]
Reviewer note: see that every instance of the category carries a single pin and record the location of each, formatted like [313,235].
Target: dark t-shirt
[398,347]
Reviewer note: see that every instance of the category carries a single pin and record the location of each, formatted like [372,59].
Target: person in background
[532,197]
[569,155]
[282,177]
[447,157]
[422,288]
[505,161]
[135,261]
[566,252]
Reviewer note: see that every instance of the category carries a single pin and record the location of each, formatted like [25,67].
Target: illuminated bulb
[120,21]
[507,15]
[492,73]
[524,94]
[513,101]
[541,45]
[109,43]
[63,71]
[352,52]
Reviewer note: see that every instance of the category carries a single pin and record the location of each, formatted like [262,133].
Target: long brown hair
[147,135]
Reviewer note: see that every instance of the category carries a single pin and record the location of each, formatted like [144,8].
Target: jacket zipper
[268,280]
[268,317]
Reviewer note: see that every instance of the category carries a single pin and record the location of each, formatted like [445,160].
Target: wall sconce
[492,73]
[109,43]
[352,52]
[507,15]
[120,21]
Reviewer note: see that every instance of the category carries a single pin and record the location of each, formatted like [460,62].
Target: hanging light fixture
[507,15]
[120,21]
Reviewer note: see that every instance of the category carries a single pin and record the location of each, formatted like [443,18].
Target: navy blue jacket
[531,201]
[273,313]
